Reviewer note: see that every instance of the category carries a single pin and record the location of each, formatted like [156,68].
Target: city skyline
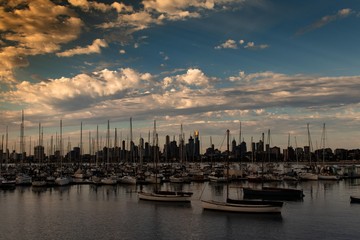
[206,65]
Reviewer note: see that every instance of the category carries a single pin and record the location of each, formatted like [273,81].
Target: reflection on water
[115,212]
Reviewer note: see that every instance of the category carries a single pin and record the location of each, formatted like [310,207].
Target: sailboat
[273,193]
[309,173]
[61,180]
[238,205]
[158,195]
[326,172]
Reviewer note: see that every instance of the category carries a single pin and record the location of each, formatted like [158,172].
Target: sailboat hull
[273,193]
[163,196]
[246,207]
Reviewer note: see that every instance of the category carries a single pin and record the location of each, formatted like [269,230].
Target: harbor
[114,212]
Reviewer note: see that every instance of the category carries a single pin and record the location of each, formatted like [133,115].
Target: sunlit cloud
[95,47]
[232,44]
[40,28]
[88,5]
[228,44]
[326,20]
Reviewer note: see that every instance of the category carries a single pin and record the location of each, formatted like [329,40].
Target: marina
[89,211]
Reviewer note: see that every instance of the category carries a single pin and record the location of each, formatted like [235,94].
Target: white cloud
[270,95]
[237,78]
[193,77]
[95,47]
[251,45]
[228,44]
[232,44]
[87,88]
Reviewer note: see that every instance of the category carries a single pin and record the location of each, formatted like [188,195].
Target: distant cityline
[172,151]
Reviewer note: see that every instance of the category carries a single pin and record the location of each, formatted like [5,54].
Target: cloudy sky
[206,64]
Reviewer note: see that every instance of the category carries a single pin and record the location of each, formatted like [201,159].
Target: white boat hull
[38,183]
[328,177]
[128,180]
[62,181]
[308,176]
[108,181]
[164,197]
[243,208]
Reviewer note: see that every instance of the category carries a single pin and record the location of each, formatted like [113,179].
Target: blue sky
[205,64]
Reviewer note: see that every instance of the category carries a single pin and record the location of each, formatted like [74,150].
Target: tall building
[196,145]
[39,154]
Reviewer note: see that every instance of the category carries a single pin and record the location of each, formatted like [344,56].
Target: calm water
[107,212]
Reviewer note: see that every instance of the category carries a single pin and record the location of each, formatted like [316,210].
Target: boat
[62,181]
[127,179]
[217,176]
[354,199]
[23,179]
[163,196]
[238,205]
[39,182]
[308,176]
[323,176]
[166,196]
[243,206]
[109,180]
[6,184]
[274,193]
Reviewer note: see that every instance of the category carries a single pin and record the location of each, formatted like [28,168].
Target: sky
[267,65]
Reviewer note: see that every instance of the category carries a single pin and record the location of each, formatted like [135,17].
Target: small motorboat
[354,199]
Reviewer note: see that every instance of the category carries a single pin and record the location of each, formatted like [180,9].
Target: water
[114,212]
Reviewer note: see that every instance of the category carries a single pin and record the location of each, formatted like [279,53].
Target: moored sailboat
[238,205]
[158,195]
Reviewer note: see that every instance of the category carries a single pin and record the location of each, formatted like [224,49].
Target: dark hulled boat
[354,199]
[274,193]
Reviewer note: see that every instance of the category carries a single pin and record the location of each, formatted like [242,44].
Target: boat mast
[227,162]
[155,144]
[108,144]
[22,144]
[323,143]
[2,152]
[90,149]
[309,141]
[97,144]
[39,152]
[131,143]
[296,152]
[61,157]
[81,145]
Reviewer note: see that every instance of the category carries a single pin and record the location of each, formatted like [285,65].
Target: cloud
[232,44]
[121,7]
[156,12]
[39,28]
[191,91]
[95,47]
[164,56]
[79,91]
[251,45]
[277,99]
[228,44]
[193,77]
[87,6]
[326,20]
